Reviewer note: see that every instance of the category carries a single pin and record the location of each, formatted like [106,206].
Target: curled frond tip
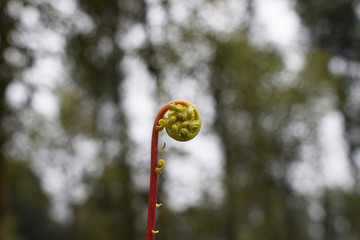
[182,121]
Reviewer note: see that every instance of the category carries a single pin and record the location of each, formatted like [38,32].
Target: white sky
[334,162]
[276,22]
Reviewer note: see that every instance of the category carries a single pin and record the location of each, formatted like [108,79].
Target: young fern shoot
[182,123]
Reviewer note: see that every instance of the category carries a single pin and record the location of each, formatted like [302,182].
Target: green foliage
[108,214]
[332,25]
[77,114]
[253,113]
[29,207]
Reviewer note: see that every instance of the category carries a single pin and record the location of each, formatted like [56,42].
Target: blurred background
[277,85]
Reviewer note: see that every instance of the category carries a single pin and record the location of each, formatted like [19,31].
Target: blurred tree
[349,223]
[23,204]
[334,27]
[6,71]
[106,214]
[29,206]
[96,59]
[10,52]
[256,113]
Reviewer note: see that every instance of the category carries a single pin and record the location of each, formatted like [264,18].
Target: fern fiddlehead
[182,123]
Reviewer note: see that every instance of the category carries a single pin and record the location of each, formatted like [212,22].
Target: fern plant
[182,122]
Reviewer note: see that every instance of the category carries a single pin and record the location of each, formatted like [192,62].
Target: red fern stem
[150,229]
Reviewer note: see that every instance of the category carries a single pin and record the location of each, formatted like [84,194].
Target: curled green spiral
[182,122]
